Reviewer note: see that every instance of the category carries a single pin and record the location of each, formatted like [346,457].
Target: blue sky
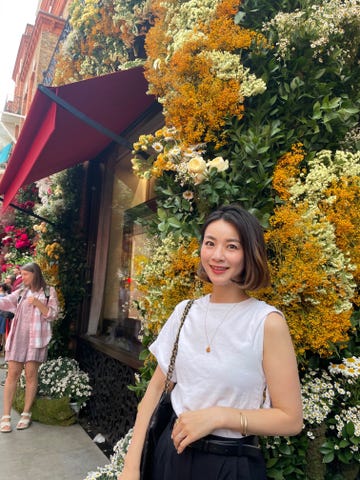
[14,15]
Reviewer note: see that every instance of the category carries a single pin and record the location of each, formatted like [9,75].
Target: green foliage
[145,372]
[344,451]
[254,12]
[70,262]
[285,457]
[183,217]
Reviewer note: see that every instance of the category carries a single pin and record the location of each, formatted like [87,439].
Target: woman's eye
[233,247]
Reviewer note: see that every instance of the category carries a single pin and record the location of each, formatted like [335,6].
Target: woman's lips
[218,270]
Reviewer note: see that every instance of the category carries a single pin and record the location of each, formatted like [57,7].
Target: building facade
[102,122]
[35,51]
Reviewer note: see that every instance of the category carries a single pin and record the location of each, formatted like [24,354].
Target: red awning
[53,139]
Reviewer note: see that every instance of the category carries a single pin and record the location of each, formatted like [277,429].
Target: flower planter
[51,411]
[75,408]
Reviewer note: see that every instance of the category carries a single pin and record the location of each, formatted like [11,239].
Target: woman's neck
[226,294]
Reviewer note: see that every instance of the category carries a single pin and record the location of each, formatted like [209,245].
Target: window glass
[120,324]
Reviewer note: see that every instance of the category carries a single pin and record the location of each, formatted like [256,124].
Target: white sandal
[5,425]
[24,421]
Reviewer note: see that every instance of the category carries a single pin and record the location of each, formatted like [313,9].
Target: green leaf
[285,449]
[350,429]
[319,73]
[329,458]
[161,213]
[174,222]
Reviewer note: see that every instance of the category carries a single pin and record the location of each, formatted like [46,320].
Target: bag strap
[47,293]
[175,347]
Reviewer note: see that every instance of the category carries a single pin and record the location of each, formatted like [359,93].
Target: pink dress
[20,343]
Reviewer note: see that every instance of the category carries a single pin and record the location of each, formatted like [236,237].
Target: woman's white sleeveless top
[231,374]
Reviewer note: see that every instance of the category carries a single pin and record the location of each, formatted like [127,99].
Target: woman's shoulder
[264,306]
[200,301]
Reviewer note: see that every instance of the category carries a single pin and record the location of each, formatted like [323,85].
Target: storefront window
[120,324]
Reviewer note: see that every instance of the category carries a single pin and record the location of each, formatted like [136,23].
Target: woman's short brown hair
[38,279]
[256,273]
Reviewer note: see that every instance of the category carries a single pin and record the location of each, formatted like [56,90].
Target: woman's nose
[218,253]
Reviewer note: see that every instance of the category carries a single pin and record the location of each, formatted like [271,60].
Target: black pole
[29,212]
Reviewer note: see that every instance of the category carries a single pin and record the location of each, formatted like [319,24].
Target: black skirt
[193,464]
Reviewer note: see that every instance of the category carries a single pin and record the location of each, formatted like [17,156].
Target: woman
[235,375]
[4,290]
[35,306]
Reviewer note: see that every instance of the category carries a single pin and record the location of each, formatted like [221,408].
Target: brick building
[36,48]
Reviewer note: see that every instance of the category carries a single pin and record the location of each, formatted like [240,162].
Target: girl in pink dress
[35,306]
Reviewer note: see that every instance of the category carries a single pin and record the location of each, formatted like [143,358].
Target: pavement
[46,452]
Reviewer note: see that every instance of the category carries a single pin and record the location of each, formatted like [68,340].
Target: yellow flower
[196,165]
[219,163]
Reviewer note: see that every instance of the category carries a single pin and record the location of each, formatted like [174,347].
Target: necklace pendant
[208,349]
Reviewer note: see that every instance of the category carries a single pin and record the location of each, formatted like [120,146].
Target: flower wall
[261,106]
[61,249]
[288,151]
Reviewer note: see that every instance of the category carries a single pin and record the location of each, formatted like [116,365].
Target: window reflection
[121,324]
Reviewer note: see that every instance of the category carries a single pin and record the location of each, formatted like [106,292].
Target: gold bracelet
[245,425]
[241,423]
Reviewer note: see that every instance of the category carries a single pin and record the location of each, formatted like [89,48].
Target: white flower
[219,163]
[196,165]
[157,147]
[188,195]
[63,378]
[156,64]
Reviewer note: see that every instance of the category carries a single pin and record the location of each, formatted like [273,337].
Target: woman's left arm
[282,377]
[285,416]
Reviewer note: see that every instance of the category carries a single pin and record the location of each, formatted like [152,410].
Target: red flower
[22,243]
[7,241]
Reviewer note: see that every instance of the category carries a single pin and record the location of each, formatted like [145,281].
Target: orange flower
[195,100]
[286,170]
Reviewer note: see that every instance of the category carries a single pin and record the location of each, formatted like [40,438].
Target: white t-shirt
[231,374]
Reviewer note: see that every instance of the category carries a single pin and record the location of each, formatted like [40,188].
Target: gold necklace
[209,342]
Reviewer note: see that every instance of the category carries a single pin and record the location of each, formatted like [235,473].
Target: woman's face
[222,254]
[27,278]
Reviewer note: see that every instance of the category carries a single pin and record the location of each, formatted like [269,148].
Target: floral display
[166,277]
[62,377]
[19,236]
[168,154]
[316,294]
[17,246]
[328,28]
[111,470]
[261,106]
[194,66]
[105,36]
[60,249]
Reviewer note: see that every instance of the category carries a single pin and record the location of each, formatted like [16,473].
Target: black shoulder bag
[162,413]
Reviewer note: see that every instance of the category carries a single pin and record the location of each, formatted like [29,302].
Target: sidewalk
[46,452]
